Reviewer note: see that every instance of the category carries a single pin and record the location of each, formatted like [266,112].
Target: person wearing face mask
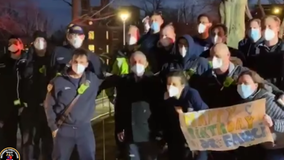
[252,87]
[69,108]
[148,41]
[203,38]
[12,93]
[161,54]
[252,39]
[270,51]
[218,34]
[63,54]
[137,115]
[33,117]
[120,66]
[187,58]
[180,98]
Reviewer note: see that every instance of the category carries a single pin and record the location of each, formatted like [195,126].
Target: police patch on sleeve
[49,87]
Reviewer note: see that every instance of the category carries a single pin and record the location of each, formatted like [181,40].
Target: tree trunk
[76,4]
[233,16]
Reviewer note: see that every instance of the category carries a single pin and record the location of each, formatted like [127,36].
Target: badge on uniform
[49,87]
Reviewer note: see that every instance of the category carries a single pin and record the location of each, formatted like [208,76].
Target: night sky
[60,12]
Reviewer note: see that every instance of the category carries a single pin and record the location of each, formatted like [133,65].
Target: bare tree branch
[69,3]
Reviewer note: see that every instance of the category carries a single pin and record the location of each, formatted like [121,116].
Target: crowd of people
[49,92]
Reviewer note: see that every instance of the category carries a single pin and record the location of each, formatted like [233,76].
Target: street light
[124,16]
[276,10]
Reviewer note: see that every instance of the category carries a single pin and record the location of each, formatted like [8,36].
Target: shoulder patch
[49,87]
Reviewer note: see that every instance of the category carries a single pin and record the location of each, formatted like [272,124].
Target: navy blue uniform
[268,62]
[62,56]
[148,45]
[11,96]
[204,43]
[38,70]
[76,130]
[189,100]
[191,63]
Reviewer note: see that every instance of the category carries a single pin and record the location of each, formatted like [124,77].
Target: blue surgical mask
[245,90]
[155,27]
[255,34]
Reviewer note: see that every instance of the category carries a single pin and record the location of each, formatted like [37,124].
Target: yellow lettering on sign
[249,120]
[230,126]
[239,124]
[190,119]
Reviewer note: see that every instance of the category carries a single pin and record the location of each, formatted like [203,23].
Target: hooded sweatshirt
[191,63]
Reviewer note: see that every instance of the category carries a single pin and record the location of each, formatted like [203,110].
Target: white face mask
[76,42]
[146,27]
[132,40]
[173,91]
[201,28]
[269,34]
[182,51]
[215,40]
[40,45]
[138,69]
[79,68]
[13,48]
[216,63]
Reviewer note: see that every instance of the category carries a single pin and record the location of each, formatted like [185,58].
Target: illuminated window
[92,48]
[91,35]
[106,34]
[107,49]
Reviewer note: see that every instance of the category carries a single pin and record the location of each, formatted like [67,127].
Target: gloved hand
[112,99]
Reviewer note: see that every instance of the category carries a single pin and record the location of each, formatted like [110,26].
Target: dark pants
[2,145]
[10,129]
[143,151]
[277,154]
[70,136]
[43,141]
[27,134]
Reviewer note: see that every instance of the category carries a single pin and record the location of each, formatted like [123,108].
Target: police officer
[270,51]
[203,38]
[69,107]
[138,105]
[63,54]
[218,33]
[11,90]
[252,39]
[37,67]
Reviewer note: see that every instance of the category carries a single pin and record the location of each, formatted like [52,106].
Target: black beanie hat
[39,34]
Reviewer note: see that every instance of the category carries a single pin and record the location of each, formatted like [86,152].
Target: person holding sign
[251,87]
[184,99]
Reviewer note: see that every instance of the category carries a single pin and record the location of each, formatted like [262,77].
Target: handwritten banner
[226,128]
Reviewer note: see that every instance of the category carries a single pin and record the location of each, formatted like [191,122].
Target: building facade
[106,36]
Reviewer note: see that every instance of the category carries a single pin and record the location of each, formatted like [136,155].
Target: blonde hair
[275,18]
[255,77]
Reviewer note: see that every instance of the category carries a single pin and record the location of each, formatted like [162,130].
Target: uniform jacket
[12,84]
[137,107]
[62,91]
[218,91]
[62,56]
[247,46]
[261,61]
[204,43]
